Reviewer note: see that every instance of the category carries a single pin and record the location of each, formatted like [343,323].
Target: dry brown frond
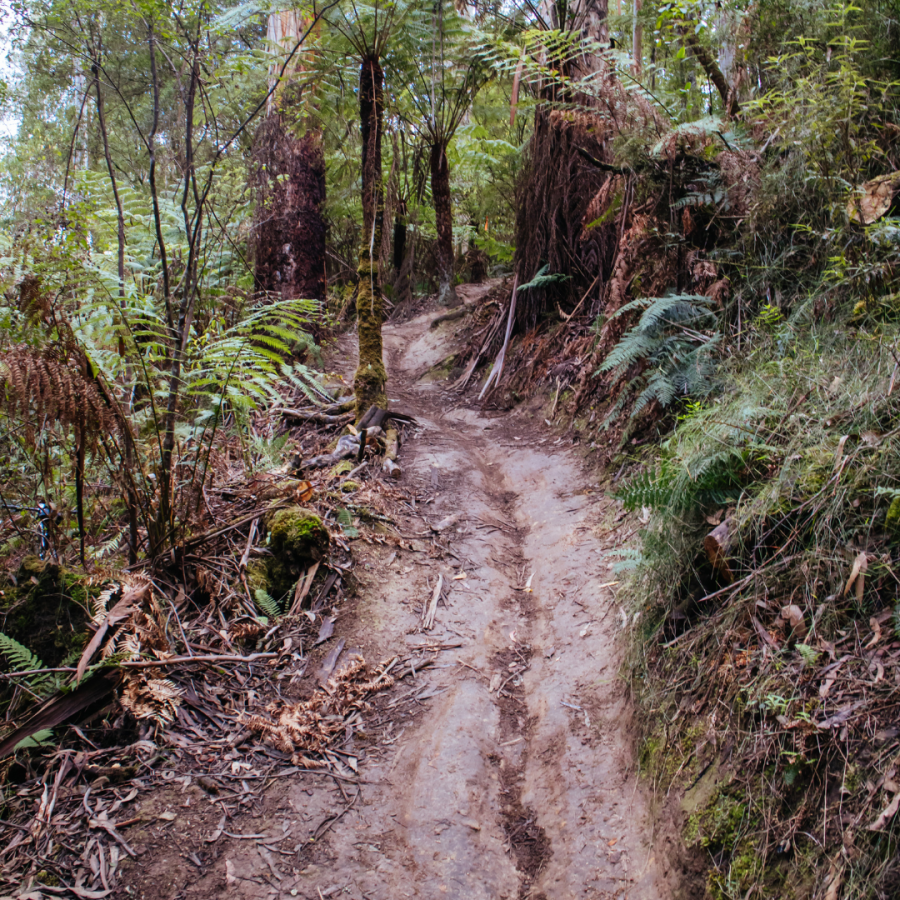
[312,724]
[54,384]
[149,697]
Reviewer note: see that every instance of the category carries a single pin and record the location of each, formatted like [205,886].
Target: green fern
[542,280]
[629,559]
[651,489]
[680,356]
[267,603]
[809,654]
[345,520]
[21,659]
[39,739]
[716,479]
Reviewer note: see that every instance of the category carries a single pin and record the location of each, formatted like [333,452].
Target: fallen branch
[180,660]
[457,313]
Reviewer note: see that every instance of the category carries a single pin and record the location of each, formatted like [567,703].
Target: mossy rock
[349,486]
[297,538]
[297,535]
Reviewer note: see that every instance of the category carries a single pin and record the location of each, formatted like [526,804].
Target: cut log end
[717,544]
[392,469]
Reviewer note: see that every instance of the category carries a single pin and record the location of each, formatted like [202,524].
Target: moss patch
[47,611]
[371,376]
[297,538]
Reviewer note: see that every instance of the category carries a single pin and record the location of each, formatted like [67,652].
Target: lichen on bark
[371,376]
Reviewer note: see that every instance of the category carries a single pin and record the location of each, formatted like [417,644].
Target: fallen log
[317,416]
[456,313]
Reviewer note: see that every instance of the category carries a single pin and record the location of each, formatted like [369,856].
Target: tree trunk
[400,229]
[290,228]
[290,183]
[711,68]
[637,40]
[371,376]
[443,215]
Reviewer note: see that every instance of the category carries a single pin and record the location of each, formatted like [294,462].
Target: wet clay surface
[506,769]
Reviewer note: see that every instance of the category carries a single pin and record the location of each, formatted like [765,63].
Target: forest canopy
[684,216]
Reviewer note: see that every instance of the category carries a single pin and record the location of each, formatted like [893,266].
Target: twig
[246,555]
[178,660]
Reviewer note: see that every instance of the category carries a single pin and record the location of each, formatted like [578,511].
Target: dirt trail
[541,763]
[508,772]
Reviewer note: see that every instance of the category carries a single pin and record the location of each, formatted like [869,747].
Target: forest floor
[506,769]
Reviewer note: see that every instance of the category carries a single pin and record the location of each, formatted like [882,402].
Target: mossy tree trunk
[443,215]
[371,376]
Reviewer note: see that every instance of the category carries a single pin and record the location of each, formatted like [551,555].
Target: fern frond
[267,603]
[542,280]
[21,659]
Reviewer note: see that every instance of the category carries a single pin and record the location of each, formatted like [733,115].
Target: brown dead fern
[53,384]
[311,726]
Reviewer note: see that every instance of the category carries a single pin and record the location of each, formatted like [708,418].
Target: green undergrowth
[777,664]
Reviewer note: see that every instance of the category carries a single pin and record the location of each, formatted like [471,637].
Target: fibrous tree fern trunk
[443,214]
[371,376]
[290,184]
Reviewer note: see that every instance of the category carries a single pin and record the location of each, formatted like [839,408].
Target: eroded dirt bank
[506,769]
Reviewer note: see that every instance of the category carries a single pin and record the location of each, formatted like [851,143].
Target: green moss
[341,468]
[892,521]
[745,869]
[297,535]
[718,823]
[440,371]
[297,538]
[349,486]
[257,575]
[371,377]
[47,609]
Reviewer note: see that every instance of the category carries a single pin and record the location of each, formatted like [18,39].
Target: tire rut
[504,771]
